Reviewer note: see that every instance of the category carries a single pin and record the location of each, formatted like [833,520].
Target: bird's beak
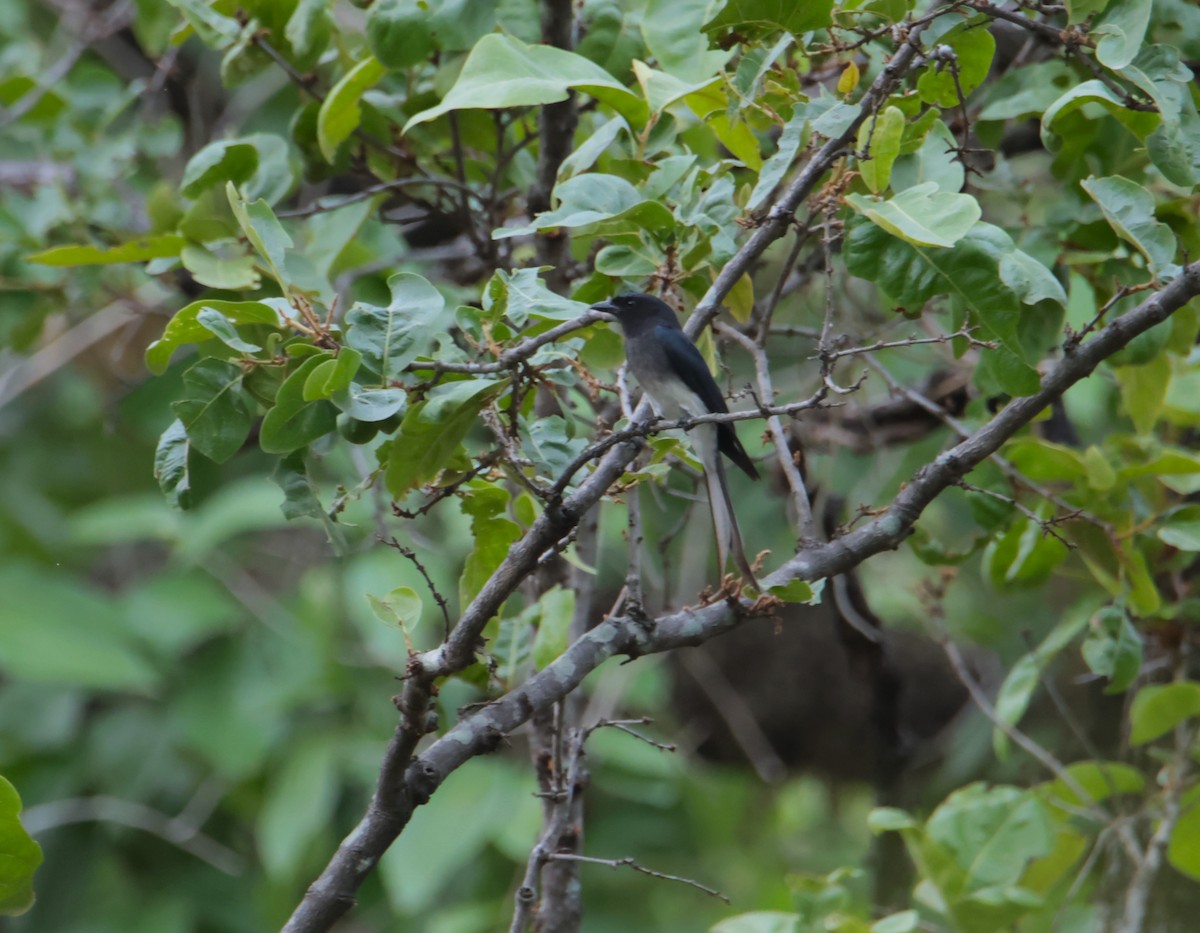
[606,308]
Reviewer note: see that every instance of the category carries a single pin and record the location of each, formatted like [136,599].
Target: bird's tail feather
[725,526]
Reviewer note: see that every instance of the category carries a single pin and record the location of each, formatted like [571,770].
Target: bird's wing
[687,362]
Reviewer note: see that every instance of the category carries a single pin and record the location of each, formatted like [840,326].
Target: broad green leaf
[216,410]
[502,71]
[1143,391]
[1183,848]
[492,532]
[213,28]
[1024,676]
[370,405]
[1099,779]
[556,608]
[333,376]
[606,203]
[974,48]
[712,104]
[759,921]
[793,137]
[1174,146]
[1159,708]
[166,246]
[1031,281]
[1025,555]
[1095,91]
[398,32]
[402,606]
[630,262]
[903,921]
[881,137]
[55,630]
[340,112]
[1181,528]
[1129,210]
[922,215]
[992,833]
[1120,32]
[227,272]
[263,230]
[797,591]
[20,855]
[910,274]
[308,30]
[1113,648]
[934,162]
[767,16]
[298,803]
[390,338]
[171,465]
[222,328]
[226,160]
[185,327]
[294,422]
[673,36]
[586,154]
[1026,91]
[521,294]
[432,430]
[889,820]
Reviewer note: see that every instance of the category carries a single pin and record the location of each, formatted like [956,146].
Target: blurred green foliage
[301,216]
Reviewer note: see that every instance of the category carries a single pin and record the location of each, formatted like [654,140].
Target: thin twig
[628,862]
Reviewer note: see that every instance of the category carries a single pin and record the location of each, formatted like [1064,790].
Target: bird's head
[636,310]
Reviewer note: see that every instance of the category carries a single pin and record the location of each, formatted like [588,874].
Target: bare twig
[965,333]
[411,556]
[628,862]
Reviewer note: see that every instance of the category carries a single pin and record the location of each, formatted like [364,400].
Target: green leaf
[889,820]
[171,465]
[903,921]
[772,15]
[402,606]
[1113,648]
[759,921]
[263,230]
[294,422]
[20,855]
[1157,709]
[1026,91]
[493,532]
[1120,32]
[992,833]
[922,215]
[794,135]
[390,338]
[370,405]
[521,294]
[1129,210]
[226,272]
[606,203]
[1183,849]
[1143,391]
[340,112]
[55,630]
[398,32]
[974,48]
[882,135]
[1023,678]
[502,71]
[1181,528]
[216,410]
[1100,779]
[222,328]
[432,430]
[556,608]
[674,38]
[1095,91]
[185,327]
[226,160]
[934,161]
[166,246]
[797,591]
[298,804]
[333,376]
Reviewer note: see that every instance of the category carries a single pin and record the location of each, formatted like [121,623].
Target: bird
[672,372]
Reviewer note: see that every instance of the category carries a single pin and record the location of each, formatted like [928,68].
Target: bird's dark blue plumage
[673,373]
